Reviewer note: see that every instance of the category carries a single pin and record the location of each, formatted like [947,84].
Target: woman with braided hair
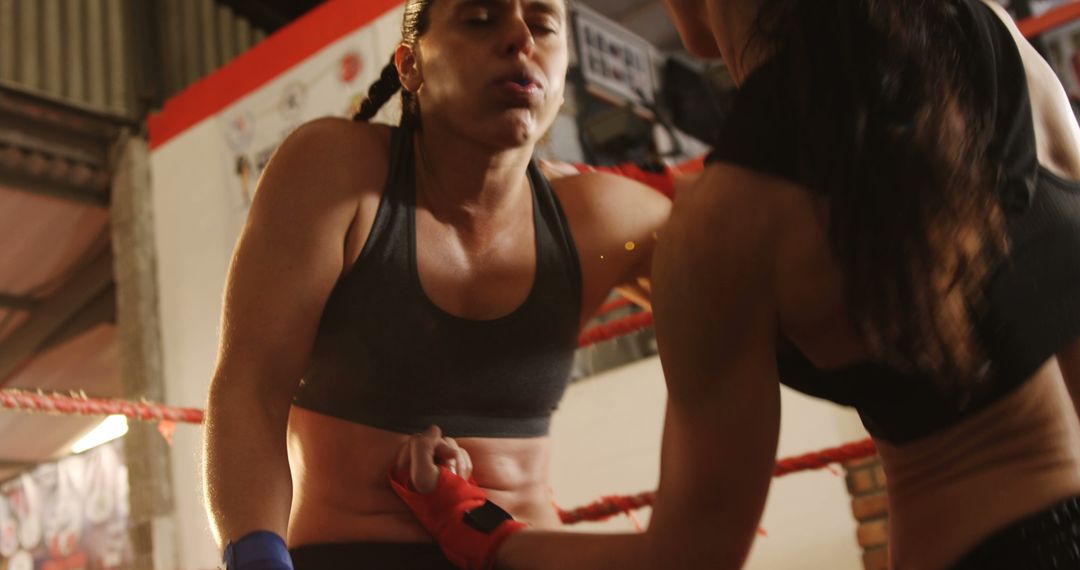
[394,278]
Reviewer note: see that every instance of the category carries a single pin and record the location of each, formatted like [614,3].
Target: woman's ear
[408,68]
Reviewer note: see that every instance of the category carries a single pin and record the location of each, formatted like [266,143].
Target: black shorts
[371,556]
[1049,540]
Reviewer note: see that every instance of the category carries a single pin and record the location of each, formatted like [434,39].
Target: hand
[433,477]
[424,452]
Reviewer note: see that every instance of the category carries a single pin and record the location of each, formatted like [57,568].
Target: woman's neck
[463,182]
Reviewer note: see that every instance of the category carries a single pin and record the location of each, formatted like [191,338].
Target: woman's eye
[544,25]
[477,20]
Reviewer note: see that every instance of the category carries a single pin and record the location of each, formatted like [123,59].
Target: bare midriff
[341,494]
[950,491]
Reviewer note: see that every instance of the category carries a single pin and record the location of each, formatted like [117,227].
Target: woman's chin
[516,128]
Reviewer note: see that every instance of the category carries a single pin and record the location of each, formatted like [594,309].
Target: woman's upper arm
[290,255]
[647,212]
[637,213]
[714,296]
[615,220]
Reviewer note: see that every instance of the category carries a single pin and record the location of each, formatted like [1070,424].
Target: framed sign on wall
[614,58]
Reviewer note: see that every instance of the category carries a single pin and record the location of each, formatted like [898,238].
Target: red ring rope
[616,328]
[614,305]
[603,508]
[40,402]
[609,506]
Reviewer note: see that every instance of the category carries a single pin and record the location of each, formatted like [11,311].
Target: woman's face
[691,18]
[494,69]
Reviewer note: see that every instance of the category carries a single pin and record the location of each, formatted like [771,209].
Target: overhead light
[108,430]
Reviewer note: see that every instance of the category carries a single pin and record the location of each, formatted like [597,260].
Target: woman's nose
[519,37]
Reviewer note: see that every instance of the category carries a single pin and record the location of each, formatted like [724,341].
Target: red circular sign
[351,66]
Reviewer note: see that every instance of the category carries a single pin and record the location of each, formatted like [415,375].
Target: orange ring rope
[81,405]
[614,305]
[612,505]
[616,328]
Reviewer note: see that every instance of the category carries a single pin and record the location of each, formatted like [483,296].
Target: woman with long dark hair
[389,279]
[891,221]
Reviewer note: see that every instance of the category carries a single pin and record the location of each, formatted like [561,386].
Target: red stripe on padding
[277,54]
[1053,18]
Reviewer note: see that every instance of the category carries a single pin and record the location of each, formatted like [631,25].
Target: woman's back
[961,465]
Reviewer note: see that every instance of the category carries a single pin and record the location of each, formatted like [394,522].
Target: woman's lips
[520,92]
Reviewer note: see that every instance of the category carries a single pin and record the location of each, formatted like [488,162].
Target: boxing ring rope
[615,304]
[168,416]
[606,507]
[81,405]
[614,329]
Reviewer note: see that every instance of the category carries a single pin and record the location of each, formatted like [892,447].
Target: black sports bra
[1033,296]
[386,356]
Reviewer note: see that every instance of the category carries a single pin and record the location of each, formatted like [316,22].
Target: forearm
[545,550]
[248,483]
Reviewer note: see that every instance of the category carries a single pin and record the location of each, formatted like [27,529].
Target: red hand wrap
[458,515]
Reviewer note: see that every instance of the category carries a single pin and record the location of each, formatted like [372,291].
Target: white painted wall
[196,225]
[607,441]
[199,211]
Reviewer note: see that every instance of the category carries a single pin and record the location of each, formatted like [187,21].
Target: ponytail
[381,91]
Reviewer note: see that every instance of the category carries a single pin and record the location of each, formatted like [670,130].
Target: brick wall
[869,505]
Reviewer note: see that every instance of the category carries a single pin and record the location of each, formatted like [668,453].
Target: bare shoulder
[606,206]
[731,206]
[604,194]
[612,215]
[336,136]
[326,173]
[615,222]
[328,158]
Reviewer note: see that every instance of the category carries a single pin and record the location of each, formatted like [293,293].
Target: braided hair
[413,25]
[382,91]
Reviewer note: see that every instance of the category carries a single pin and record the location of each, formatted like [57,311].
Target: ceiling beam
[54,313]
[101,309]
[64,116]
[24,182]
[74,148]
[55,149]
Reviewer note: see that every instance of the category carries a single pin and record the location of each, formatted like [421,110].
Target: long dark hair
[893,133]
[413,25]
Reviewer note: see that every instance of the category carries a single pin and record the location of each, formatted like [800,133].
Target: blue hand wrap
[259,550]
